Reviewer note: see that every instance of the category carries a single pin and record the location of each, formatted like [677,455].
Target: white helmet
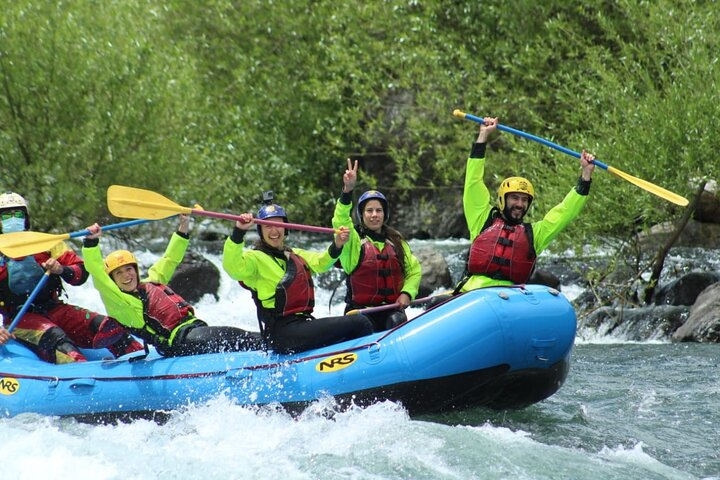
[12,200]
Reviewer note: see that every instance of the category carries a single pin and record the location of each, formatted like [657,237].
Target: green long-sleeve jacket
[125,307]
[262,272]
[350,255]
[477,207]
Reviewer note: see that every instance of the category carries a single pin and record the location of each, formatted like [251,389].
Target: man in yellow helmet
[504,248]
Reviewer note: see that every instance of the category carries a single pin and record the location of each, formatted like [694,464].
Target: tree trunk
[659,261]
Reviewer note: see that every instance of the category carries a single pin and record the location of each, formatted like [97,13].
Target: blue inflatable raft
[503,348]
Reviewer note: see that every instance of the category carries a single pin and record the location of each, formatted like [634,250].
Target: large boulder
[695,234]
[703,323]
[545,277]
[707,209]
[685,290]
[435,271]
[634,324]
[195,277]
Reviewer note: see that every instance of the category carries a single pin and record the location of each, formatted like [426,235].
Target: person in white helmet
[53,329]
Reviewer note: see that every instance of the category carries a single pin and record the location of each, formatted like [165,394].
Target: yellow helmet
[515,184]
[119,258]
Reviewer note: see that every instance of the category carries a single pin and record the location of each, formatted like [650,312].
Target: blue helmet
[372,195]
[271,211]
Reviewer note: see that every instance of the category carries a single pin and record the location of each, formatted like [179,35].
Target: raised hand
[342,236]
[245,222]
[350,176]
[586,159]
[487,128]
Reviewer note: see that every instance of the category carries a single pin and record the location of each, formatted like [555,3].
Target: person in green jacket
[149,308]
[504,248]
[381,269]
[280,281]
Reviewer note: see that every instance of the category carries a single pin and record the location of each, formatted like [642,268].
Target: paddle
[644,184]
[130,202]
[22,244]
[29,301]
[392,306]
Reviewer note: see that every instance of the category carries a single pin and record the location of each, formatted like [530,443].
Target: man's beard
[512,220]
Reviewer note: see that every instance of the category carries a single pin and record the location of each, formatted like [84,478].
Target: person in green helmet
[504,247]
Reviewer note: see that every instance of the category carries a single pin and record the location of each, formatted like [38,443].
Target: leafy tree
[215,101]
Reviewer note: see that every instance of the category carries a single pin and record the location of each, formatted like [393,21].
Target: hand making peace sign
[350,176]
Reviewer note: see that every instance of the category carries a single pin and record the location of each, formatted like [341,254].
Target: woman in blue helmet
[379,264]
[280,280]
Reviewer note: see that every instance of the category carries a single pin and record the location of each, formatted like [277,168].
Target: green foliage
[92,95]
[215,101]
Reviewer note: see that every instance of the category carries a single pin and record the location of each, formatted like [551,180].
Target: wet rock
[703,323]
[685,290]
[695,234]
[435,271]
[545,277]
[707,209]
[195,276]
[635,324]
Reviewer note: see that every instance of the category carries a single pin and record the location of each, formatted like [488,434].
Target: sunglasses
[12,214]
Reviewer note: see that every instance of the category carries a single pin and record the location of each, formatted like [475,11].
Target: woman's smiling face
[274,236]
[125,277]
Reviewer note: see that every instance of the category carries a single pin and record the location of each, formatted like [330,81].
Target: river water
[627,411]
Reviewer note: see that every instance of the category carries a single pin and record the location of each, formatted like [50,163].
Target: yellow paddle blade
[22,244]
[651,187]
[130,202]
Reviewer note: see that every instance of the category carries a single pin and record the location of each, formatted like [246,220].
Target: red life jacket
[378,277]
[295,293]
[503,252]
[163,309]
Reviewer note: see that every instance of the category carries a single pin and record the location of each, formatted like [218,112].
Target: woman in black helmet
[381,269]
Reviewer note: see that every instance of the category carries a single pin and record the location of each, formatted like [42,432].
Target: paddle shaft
[129,223]
[644,184]
[532,137]
[131,202]
[22,244]
[291,226]
[28,303]
[391,306]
